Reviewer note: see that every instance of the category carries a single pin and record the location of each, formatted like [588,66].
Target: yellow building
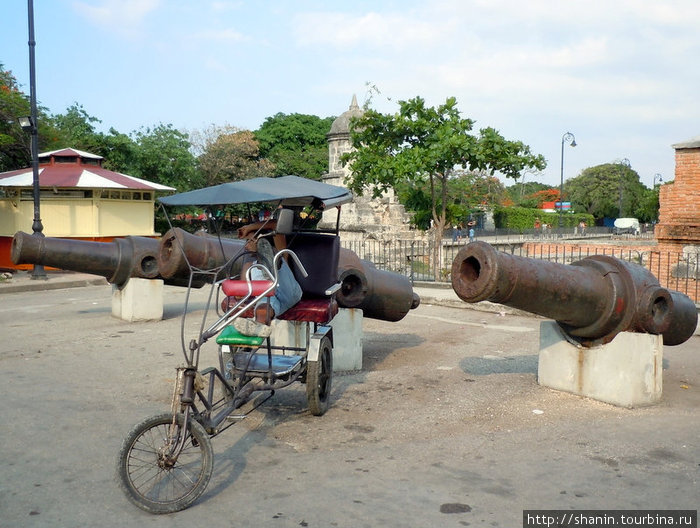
[79,199]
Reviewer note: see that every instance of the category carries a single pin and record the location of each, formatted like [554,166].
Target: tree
[14,142]
[296,144]
[230,154]
[162,155]
[76,129]
[119,152]
[420,145]
[525,194]
[15,151]
[648,209]
[599,190]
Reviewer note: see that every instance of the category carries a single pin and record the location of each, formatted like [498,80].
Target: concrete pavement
[444,426]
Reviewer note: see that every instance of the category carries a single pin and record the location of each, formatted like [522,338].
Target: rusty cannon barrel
[592,299]
[202,251]
[380,294]
[117,261]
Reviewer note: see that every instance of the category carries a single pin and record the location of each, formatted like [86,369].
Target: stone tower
[678,230]
[366,217]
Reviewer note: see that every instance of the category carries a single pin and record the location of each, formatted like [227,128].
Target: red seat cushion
[318,311]
[239,288]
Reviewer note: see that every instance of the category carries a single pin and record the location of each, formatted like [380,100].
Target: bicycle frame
[192,382]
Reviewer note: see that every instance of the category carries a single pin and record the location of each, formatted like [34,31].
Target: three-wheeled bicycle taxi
[166,461]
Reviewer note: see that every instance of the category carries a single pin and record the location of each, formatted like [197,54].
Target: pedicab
[166,461]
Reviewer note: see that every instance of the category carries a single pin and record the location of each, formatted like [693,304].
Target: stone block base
[347,337]
[625,372]
[139,300]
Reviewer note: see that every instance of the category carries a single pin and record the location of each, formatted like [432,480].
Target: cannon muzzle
[380,294]
[116,261]
[592,299]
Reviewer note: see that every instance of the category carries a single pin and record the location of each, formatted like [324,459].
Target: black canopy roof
[289,190]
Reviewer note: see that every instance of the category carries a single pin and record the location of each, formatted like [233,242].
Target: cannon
[178,250]
[592,300]
[117,261]
[380,294]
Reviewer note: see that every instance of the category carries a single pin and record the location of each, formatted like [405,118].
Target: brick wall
[678,230]
[570,252]
[679,211]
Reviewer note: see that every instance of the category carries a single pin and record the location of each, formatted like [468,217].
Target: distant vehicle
[626,225]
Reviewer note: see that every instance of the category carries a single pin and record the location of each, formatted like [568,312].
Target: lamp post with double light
[571,140]
[30,124]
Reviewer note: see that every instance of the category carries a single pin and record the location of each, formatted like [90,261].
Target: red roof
[85,172]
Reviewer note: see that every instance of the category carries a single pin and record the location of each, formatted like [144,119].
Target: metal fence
[413,258]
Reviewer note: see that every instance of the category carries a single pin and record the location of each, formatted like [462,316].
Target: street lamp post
[38,272]
[658,177]
[624,163]
[566,138]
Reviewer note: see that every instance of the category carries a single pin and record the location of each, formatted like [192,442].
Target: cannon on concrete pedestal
[592,299]
[380,294]
[131,256]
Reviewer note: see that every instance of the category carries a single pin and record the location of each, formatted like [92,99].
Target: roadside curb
[28,284]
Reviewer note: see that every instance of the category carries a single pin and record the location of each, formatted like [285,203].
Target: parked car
[626,225]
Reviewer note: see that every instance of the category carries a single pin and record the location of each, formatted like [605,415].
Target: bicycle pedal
[235,417]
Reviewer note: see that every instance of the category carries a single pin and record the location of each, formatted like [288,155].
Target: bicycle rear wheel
[151,478]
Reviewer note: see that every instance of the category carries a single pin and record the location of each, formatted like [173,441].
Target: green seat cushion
[231,336]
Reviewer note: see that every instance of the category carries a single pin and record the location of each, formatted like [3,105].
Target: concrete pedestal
[139,300]
[347,337]
[625,372]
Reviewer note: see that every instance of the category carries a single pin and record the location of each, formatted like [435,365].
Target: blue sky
[623,76]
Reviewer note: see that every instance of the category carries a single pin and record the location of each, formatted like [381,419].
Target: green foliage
[163,156]
[522,194]
[119,152]
[420,147]
[597,191]
[14,142]
[296,144]
[522,218]
[76,129]
[467,194]
[648,207]
[230,154]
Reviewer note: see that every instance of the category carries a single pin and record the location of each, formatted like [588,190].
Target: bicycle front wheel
[152,477]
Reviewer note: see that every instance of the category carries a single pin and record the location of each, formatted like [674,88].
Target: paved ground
[445,425]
